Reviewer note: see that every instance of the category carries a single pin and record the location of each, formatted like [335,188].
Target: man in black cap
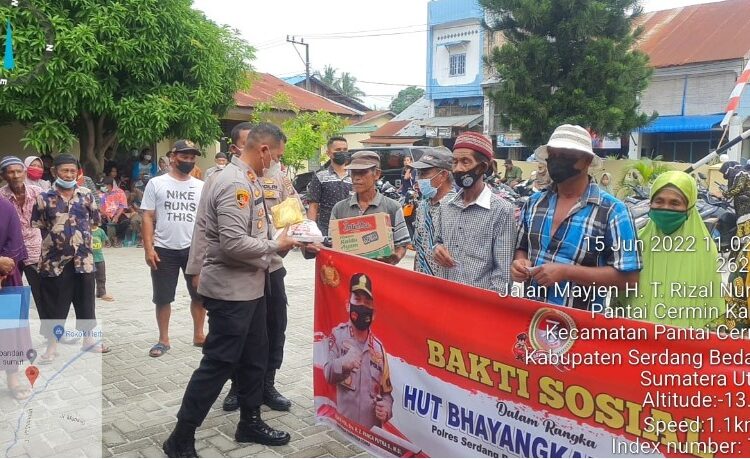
[64,215]
[357,362]
[365,172]
[169,205]
[435,183]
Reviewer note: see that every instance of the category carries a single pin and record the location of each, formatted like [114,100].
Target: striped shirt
[598,231]
[350,208]
[424,236]
[481,239]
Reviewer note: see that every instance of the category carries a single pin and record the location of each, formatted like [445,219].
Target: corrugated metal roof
[359,129]
[698,33]
[372,114]
[266,86]
[694,123]
[294,79]
[454,121]
[390,140]
[390,128]
[419,110]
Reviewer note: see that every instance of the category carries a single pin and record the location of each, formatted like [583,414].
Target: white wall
[441,54]
[707,92]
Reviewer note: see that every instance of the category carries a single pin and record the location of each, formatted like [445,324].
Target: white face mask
[274,169]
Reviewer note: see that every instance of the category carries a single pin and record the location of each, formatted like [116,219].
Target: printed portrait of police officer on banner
[357,363]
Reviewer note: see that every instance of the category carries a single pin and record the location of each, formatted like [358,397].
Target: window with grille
[458,64]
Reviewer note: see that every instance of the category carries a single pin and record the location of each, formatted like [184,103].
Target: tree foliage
[568,61]
[406,97]
[306,132]
[127,71]
[346,84]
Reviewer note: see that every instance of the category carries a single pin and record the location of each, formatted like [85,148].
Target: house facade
[697,52]
[455,69]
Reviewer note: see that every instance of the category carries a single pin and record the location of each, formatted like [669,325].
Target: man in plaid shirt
[475,230]
[574,235]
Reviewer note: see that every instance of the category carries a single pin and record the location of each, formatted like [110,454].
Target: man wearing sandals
[64,215]
[169,206]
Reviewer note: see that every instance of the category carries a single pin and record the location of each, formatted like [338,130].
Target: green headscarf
[690,267]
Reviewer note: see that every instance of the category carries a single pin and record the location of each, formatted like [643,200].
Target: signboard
[441,369]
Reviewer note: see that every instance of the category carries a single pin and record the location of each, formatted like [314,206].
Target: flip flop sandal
[96,349]
[159,349]
[46,360]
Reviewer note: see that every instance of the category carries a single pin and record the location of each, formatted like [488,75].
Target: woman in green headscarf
[677,248]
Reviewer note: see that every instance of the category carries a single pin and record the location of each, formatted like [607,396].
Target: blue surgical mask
[66,184]
[425,187]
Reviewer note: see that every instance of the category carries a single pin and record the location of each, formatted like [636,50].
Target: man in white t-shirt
[169,205]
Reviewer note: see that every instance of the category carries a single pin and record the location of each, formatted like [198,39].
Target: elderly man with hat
[475,230]
[169,206]
[572,234]
[435,184]
[64,214]
[357,363]
[365,172]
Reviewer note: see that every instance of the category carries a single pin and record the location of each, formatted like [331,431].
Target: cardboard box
[370,236]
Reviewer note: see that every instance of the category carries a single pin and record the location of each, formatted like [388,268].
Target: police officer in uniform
[232,282]
[276,188]
[357,363]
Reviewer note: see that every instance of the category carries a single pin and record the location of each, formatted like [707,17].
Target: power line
[364,31]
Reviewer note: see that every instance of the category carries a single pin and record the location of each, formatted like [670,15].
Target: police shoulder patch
[243,197]
[288,185]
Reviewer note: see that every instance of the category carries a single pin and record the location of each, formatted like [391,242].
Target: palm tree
[328,76]
[347,85]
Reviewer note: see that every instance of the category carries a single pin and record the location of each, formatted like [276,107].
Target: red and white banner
[736,95]
[450,370]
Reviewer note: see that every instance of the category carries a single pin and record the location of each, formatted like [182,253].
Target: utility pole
[306,61]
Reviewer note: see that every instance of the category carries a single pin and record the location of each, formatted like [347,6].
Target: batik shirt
[66,230]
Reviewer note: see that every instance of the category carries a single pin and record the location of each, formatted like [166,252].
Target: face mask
[274,169]
[340,157]
[221,166]
[185,168]
[426,188]
[361,316]
[561,169]
[467,179]
[147,157]
[65,184]
[668,221]
[104,189]
[34,173]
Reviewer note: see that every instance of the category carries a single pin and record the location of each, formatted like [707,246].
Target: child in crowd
[98,238]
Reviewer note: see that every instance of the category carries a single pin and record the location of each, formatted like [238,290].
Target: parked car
[391,163]
[392,160]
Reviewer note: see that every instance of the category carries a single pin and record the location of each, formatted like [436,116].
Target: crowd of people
[219,233]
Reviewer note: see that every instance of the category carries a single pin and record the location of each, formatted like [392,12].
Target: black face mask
[340,157]
[361,316]
[561,169]
[467,179]
[185,168]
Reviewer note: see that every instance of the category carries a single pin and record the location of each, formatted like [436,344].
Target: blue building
[455,68]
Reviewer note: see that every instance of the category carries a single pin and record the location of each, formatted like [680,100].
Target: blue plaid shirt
[598,231]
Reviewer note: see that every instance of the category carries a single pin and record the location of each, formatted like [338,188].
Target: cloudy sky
[382,43]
